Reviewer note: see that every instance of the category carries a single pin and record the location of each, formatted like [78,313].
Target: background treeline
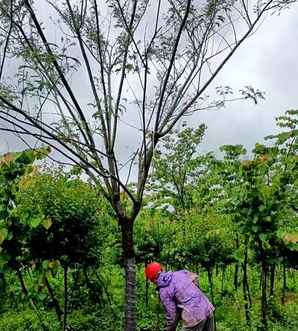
[232,219]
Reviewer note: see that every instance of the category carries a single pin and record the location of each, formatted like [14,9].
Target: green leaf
[54,264]
[3,235]
[4,258]
[34,222]
[264,237]
[45,264]
[47,223]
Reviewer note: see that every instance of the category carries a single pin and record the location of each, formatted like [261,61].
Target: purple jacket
[179,290]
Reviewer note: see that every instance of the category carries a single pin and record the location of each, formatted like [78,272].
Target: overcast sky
[267,61]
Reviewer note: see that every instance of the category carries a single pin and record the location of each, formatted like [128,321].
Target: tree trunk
[26,293]
[65,298]
[54,300]
[245,287]
[146,293]
[284,285]
[272,280]
[264,305]
[2,282]
[236,265]
[223,281]
[95,293]
[236,270]
[248,291]
[209,271]
[130,274]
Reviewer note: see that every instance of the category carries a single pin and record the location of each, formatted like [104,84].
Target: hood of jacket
[164,279]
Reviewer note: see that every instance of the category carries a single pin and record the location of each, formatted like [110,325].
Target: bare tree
[74,73]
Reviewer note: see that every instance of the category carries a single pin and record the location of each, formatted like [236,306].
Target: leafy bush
[27,320]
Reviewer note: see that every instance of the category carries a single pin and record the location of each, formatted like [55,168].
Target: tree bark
[209,272]
[54,300]
[130,274]
[223,281]
[146,292]
[245,287]
[236,265]
[236,270]
[65,298]
[264,304]
[284,285]
[2,282]
[272,280]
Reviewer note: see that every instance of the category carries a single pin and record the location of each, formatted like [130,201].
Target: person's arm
[171,312]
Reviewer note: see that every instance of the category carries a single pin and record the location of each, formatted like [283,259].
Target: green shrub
[80,321]
[27,320]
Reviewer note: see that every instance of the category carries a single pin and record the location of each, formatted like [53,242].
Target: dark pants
[205,325]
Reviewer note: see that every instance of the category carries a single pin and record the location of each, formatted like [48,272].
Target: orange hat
[152,270]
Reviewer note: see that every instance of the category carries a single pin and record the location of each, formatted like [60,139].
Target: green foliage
[84,320]
[239,215]
[27,320]
[153,232]
[232,152]
[176,164]
[63,215]
[287,121]
[12,167]
[78,321]
[202,241]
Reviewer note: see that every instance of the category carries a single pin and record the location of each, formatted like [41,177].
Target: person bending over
[182,299]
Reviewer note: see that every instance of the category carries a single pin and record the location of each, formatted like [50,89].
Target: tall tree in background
[73,74]
[177,163]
